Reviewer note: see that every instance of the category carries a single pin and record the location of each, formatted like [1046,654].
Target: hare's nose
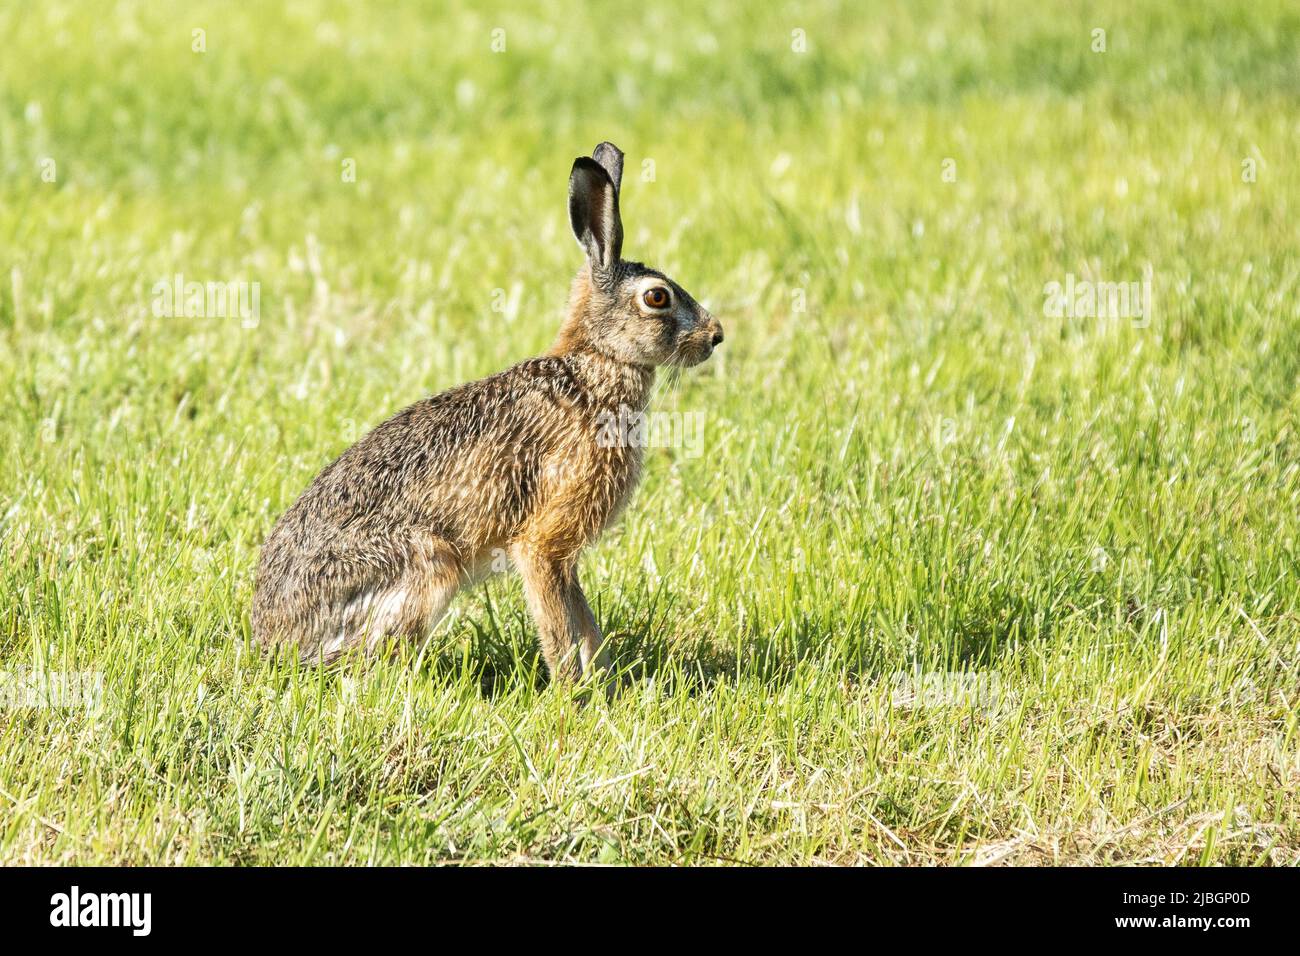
[717,336]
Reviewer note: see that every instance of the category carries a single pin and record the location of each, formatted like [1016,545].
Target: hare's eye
[656,298]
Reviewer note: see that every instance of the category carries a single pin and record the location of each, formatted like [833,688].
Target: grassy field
[954,577]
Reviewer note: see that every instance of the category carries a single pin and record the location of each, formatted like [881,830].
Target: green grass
[920,473]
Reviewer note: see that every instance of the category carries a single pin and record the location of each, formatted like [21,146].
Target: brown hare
[516,464]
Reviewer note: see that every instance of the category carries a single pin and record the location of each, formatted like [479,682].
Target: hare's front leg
[549,584]
[591,645]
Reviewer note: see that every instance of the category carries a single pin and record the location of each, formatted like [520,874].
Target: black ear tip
[606,147]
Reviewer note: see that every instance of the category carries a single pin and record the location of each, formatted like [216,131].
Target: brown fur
[512,465]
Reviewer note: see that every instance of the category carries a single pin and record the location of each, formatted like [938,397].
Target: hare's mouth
[691,355]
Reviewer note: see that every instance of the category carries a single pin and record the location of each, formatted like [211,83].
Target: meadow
[952,575]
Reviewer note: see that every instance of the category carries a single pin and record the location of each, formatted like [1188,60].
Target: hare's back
[460,464]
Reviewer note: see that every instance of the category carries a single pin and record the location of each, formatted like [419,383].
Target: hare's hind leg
[413,608]
[409,605]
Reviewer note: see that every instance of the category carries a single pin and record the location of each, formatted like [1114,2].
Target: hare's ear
[593,211]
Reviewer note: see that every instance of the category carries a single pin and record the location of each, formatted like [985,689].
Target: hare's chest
[584,486]
[623,469]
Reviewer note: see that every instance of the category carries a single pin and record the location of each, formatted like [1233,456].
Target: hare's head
[623,309]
